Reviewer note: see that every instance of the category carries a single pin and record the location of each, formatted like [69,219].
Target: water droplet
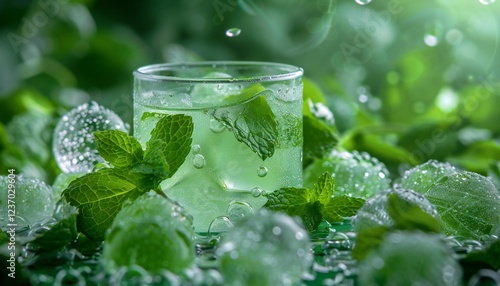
[237,210]
[363,2]
[199,161]
[196,149]
[233,32]
[262,171]
[486,2]
[256,192]
[216,126]
[219,225]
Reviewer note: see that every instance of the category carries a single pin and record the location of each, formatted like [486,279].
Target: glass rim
[147,72]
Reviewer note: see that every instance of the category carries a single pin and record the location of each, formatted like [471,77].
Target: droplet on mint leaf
[233,32]
[73,141]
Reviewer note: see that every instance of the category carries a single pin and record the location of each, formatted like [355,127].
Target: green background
[407,80]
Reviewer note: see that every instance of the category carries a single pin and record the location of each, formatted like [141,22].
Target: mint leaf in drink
[319,138]
[252,122]
[118,148]
[176,132]
[62,233]
[323,188]
[340,207]
[99,197]
[409,216]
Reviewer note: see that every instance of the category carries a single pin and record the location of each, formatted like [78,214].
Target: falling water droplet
[233,32]
[363,2]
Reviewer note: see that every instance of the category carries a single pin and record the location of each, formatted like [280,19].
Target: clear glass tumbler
[247,138]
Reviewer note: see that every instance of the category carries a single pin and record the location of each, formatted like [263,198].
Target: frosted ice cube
[210,93]
[410,258]
[267,249]
[152,232]
[73,141]
[420,178]
[355,174]
[374,211]
[32,198]
[468,204]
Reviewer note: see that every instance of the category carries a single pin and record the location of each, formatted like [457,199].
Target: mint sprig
[314,205]
[252,122]
[100,195]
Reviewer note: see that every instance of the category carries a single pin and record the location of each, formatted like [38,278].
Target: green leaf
[494,174]
[296,202]
[99,196]
[62,233]
[322,190]
[367,240]
[118,148]
[291,201]
[341,206]
[311,217]
[252,122]
[408,216]
[172,138]
[311,93]
[319,138]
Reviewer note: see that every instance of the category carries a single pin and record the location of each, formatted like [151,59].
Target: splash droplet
[233,32]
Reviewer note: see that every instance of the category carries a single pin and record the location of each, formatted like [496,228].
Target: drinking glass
[247,133]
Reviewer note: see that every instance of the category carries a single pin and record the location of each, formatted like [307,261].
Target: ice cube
[266,248]
[355,174]
[374,211]
[32,200]
[468,204]
[211,93]
[152,232]
[410,258]
[73,141]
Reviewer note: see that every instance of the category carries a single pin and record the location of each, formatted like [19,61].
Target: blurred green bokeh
[406,80]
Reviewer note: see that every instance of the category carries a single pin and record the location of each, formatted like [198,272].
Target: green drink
[247,136]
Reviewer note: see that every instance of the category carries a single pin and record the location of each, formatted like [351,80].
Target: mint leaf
[62,233]
[99,196]
[291,201]
[367,240]
[118,148]
[172,137]
[408,216]
[252,122]
[323,188]
[319,138]
[341,206]
[296,202]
